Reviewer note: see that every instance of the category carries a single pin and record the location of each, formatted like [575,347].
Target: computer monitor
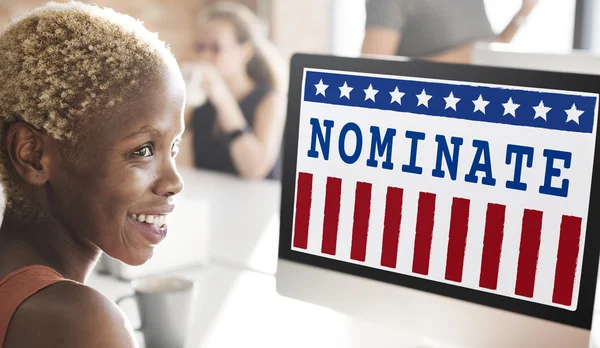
[457,202]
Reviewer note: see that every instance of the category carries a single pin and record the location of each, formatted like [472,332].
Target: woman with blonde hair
[91,113]
[238,130]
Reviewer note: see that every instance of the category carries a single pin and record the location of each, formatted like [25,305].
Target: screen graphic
[476,185]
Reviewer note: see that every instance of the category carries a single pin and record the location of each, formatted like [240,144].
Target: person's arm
[464,54]
[508,34]
[383,33]
[383,27]
[254,153]
[69,315]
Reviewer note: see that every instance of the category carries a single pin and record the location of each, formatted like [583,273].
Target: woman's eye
[145,151]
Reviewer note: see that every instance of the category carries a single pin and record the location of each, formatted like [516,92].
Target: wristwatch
[231,136]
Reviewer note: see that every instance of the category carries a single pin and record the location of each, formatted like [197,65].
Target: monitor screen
[474,183]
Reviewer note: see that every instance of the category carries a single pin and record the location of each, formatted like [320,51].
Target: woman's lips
[151,232]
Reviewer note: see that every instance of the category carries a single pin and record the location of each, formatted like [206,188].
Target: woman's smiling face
[125,169]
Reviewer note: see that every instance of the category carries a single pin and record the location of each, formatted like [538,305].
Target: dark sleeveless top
[211,151]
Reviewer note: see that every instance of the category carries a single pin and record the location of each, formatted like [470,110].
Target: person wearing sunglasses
[239,128]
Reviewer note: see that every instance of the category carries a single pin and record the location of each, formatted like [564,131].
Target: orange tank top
[18,286]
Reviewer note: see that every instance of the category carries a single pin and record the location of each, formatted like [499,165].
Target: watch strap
[231,136]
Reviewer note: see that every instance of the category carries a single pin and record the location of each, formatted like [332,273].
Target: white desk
[244,225]
[240,308]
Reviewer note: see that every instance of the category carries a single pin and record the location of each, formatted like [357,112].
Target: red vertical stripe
[492,246]
[568,250]
[333,193]
[391,226]
[528,252]
[424,233]
[303,201]
[457,239]
[360,228]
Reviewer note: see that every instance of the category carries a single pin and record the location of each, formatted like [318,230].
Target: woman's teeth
[157,220]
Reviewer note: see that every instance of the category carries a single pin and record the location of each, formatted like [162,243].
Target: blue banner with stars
[518,106]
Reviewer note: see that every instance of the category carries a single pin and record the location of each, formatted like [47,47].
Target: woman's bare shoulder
[69,315]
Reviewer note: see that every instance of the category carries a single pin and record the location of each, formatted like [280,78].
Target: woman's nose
[170,182]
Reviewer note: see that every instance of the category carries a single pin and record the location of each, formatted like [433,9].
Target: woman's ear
[28,152]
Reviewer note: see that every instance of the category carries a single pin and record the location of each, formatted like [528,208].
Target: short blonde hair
[64,65]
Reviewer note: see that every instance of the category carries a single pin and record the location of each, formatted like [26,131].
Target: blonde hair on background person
[266,66]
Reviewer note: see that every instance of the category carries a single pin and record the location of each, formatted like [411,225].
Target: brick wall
[301,25]
[172,19]
[294,25]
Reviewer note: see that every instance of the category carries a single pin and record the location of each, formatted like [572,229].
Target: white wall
[549,28]
[348,27]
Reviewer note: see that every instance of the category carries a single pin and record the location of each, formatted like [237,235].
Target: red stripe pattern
[492,246]
[391,227]
[457,241]
[425,217]
[568,249]
[528,252]
[569,244]
[360,228]
[303,202]
[333,193]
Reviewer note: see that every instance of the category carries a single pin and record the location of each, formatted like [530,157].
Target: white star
[541,111]
[370,93]
[396,96]
[451,101]
[510,107]
[321,88]
[480,104]
[573,114]
[345,90]
[423,99]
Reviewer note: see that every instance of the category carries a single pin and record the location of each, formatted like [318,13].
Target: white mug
[164,306]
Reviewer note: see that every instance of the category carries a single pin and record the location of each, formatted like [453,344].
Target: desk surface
[240,308]
[244,217]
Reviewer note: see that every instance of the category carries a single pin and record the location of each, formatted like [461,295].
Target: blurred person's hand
[192,76]
[213,83]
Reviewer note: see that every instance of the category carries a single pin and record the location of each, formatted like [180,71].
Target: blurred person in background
[436,30]
[238,129]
